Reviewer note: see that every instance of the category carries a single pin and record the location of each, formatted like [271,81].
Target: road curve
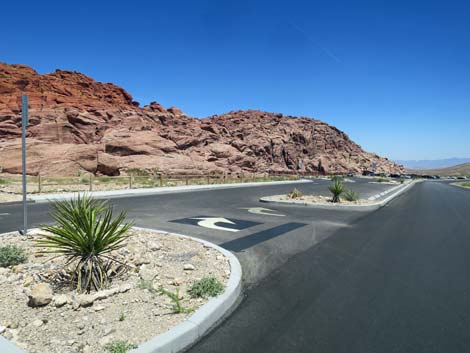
[395,281]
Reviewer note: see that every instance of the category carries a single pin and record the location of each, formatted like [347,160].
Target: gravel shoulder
[85,323]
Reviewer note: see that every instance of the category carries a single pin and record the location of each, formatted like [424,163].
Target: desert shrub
[206,287]
[336,189]
[85,234]
[119,347]
[137,172]
[177,306]
[381,180]
[11,255]
[336,178]
[295,194]
[4,181]
[351,195]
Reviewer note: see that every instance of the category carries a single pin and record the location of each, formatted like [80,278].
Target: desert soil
[71,324]
[317,199]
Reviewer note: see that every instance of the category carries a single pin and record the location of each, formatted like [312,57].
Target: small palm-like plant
[351,195]
[85,234]
[336,189]
[295,194]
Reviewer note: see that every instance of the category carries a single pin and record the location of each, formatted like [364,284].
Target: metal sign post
[24,123]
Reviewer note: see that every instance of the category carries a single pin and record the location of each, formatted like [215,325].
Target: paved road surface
[265,243]
[394,281]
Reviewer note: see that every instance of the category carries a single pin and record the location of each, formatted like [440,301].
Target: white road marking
[4,214]
[210,222]
[262,211]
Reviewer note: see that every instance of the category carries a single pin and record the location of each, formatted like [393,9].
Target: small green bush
[11,255]
[381,180]
[336,178]
[351,195]
[4,181]
[119,347]
[177,307]
[295,194]
[206,287]
[336,189]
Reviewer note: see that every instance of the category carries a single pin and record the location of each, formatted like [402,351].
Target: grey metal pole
[24,123]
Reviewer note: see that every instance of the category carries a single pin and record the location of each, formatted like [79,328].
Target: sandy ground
[131,313]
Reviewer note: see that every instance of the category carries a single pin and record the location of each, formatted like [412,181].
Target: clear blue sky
[394,75]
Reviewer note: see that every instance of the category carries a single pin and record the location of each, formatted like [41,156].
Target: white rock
[2,329]
[41,294]
[189,267]
[98,308]
[60,300]
[37,323]
[154,246]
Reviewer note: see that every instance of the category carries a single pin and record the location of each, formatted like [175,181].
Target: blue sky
[394,75]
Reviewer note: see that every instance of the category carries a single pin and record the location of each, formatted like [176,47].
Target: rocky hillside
[79,124]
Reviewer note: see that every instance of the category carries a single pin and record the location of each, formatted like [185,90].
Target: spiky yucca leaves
[351,195]
[336,189]
[85,234]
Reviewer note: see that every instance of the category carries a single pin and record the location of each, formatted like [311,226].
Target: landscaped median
[166,290]
[346,199]
[463,184]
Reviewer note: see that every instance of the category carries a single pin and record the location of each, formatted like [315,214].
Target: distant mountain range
[432,163]
[457,170]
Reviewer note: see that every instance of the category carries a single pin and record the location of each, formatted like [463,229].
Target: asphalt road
[264,244]
[393,281]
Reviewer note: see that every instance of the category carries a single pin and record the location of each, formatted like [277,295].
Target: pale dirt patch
[7,197]
[72,328]
[317,200]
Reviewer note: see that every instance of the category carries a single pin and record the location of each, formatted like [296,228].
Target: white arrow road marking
[210,222]
[263,211]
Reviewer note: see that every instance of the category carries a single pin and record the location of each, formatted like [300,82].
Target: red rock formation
[78,124]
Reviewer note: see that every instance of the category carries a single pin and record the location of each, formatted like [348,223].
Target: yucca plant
[85,234]
[351,195]
[336,189]
[295,194]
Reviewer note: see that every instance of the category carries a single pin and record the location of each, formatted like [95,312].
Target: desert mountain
[79,124]
[457,170]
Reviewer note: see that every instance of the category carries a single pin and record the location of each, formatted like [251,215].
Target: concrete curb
[156,191]
[369,207]
[197,325]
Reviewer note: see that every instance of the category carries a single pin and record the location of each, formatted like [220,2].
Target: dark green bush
[206,287]
[12,255]
[119,347]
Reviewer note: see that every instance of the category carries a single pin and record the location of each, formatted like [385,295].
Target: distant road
[393,281]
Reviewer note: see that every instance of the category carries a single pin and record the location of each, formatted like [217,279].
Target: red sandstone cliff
[77,123]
